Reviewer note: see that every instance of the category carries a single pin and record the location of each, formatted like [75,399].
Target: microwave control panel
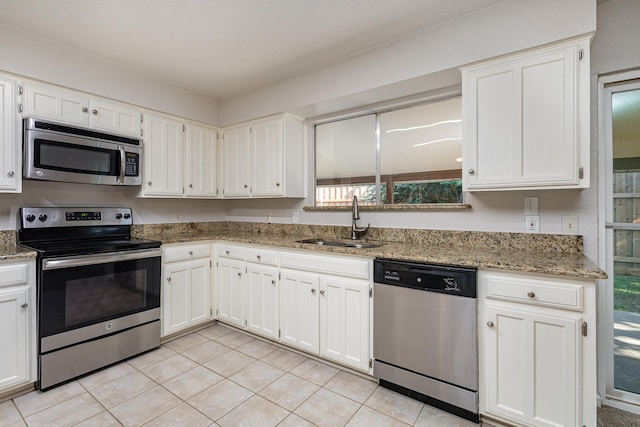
[132,161]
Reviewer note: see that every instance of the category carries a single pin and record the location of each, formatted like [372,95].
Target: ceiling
[222,48]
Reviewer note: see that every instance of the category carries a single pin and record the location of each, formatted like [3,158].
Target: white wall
[419,64]
[27,55]
[146,211]
[420,59]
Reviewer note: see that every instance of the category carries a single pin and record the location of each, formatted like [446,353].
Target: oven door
[84,297]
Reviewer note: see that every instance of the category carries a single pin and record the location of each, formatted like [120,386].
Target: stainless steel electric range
[98,289]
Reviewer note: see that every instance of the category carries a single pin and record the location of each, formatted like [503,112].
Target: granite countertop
[574,264]
[14,252]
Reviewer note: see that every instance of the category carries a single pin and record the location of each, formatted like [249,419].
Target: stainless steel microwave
[55,152]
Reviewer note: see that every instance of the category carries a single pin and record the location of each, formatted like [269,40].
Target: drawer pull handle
[168,279]
[273,282]
[227,252]
[313,291]
[25,305]
[239,274]
[259,257]
[190,252]
[490,324]
[322,292]
[531,294]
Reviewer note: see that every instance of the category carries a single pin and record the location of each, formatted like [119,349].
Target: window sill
[423,207]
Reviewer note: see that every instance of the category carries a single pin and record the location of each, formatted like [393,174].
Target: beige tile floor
[218,376]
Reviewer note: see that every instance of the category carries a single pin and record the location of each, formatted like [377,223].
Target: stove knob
[31,217]
[127,216]
[43,217]
[118,216]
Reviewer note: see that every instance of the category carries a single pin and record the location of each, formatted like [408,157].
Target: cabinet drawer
[261,256]
[230,251]
[14,274]
[332,265]
[179,253]
[552,293]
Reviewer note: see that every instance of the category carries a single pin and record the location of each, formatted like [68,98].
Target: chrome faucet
[356,232]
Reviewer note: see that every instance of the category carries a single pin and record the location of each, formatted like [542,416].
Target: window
[405,156]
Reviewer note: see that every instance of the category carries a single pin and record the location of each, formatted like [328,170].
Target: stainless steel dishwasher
[424,331]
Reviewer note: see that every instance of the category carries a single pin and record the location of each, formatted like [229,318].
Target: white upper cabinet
[236,161]
[201,160]
[264,158]
[163,150]
[526,120]
[10,168]
[114,117]
[77,108]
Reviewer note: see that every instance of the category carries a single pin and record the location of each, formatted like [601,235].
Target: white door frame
[607,85]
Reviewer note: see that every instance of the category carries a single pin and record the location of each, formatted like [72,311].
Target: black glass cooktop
[84,247]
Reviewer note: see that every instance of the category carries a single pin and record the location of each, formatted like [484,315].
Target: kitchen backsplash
[559,243]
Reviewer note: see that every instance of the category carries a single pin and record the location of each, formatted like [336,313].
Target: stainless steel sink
[358,244]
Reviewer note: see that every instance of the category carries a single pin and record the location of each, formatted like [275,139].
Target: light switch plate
[570,224]
[532,224]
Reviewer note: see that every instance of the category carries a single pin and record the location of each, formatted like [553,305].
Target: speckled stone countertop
[532,253]
[9,249]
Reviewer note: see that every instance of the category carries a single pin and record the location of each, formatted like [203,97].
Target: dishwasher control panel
[458,281]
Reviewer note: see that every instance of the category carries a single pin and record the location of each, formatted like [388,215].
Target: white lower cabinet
[230,280]
[18,320]
[317,303]
[537,366]
[261,297]
[344,321]
[186,290]
[300,310]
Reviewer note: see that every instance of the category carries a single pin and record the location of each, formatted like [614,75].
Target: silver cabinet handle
[313,291]
[149,183]
[490,324]
[95,112]
[472,171]
[168,279]
[273,282]
[531,294]
[10,174]
[85,109]
[25,305]
[322,292]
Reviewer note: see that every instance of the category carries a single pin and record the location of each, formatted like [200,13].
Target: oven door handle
[82,260]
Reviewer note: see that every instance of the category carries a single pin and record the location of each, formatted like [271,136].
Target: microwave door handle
[123,164]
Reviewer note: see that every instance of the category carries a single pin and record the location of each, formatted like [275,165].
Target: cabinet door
[230,291]
[526,120]
[266,155]
[186,295]
[114,117]
[236,162]
[49,102]
[532,365]
[201,161]
[163,148]
[344,321]
[14,335]
[10,176]
[299,310]
[262,300]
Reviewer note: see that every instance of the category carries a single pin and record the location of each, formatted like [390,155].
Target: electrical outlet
[570,224]
[532,224]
